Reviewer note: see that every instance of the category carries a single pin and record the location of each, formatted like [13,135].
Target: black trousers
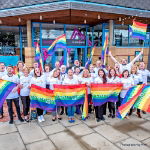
[1,110]
[118,104]
[10,108]
[39,111]
[104,108]
[26,104]
[111,107]
[99,111]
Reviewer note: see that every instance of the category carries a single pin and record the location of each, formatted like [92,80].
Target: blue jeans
[71,110]
[57,112]
[1,110]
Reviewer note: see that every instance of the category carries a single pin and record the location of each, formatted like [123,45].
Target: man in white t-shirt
[124,65]
[13,95]
[35,65]
[2,73]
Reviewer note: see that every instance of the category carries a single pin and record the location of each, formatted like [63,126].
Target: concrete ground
[111,134]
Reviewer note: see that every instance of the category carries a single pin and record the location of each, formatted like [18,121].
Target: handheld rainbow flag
[138,30]
[85,107]
[104,49]
[102,93]
[15,72]
[60,42]
[69,95]
[42,98]
[129,100]
[5,88]
[38,56]
[143,101]
[90,58]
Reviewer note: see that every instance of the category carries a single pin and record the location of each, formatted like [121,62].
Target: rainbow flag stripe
[60,42]
[90,59]
[104,48]
[37,52]
[5,88]
[69,95]
[129,100]
[138,30]
[85,107]
[143,101]
[42,98]
[102,93]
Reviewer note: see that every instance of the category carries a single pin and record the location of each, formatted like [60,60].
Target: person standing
[24,92]
[39,80]
[100,110]
[13,95]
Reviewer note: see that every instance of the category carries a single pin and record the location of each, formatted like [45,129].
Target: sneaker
[103,118]
[39,119]
[98,120]
[110,115]
[11,122]
[42,118]
[21,120]
[113,116]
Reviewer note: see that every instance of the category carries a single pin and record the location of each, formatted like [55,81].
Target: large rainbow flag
[85,107]
[42,98]
[138,30]
[143,101]
[102,93]
[90,58]
[69,95]
[5,88]
[104,49]
[60,42]
[129,100]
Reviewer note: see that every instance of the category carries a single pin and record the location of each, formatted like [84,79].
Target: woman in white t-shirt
[87,79]
[112,78]
[25,91]
[127,82]
[70,80]
[137,78]
[100,110]
[55,79]
[46,73]
[39,80]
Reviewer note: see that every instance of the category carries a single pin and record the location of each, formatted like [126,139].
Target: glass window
[121,35]
[97,35]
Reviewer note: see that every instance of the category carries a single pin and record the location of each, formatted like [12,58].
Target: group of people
[128,74]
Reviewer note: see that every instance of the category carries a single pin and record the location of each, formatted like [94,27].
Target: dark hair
[10,66]
[109,74]
[56,71]
[47,65]
[104,76]
[124,72]
[35,73]
[2,63]
[69,69]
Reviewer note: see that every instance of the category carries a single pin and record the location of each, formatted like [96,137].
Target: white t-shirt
[72,81]
[2,74]
[32,73]
[14,79]
[144,74]
[98,80]
[96,70]
[127,83]
[113,80]
[51,81]
[125,67]
[137,78]
[25,81]
[47,75]
[39,81]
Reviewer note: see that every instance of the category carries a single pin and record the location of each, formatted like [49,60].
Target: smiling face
[47,69]
[98,64]
[35,65]
[142,65]
[10,70]
[112,72]
[101,73]
[76,63]
[123,61]
[26,71]
[2,67]
[70,73]
[85,73]
[37,72]
[57,64]
[20,66]
[125,74]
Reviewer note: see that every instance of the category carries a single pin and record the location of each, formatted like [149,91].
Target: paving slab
[132,144]
[93,123]
[95,141]
[65,141]
[110,133]
[11,141]
[146,125]
[139,134]
[41,145]
[5,127]
[80,130]
[147,142]
[31,133]
[55,128]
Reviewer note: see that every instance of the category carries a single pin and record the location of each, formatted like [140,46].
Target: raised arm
[136,58]
[113,58]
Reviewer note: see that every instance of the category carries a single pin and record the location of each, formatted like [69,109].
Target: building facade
[85,23]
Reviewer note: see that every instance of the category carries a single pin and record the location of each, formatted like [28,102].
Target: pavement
[111,134]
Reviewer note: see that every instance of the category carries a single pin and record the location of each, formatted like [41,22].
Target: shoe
[103,118]
[42,118]
[11,122]
[54,119]
[72,120]
[98,120]
[21,120]
[39,119]
[139,115]
[113,116]
[26,120]
[110,115]
[59,118]
[62,112]
[143,112]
